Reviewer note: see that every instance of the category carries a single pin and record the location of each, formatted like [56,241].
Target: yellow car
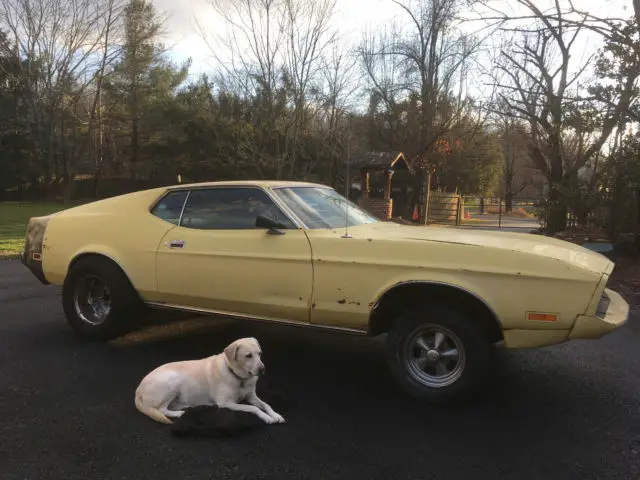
[300,253]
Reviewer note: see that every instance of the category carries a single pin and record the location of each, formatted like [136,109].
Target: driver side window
[225,208]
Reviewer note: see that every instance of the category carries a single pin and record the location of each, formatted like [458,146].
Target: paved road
[66,407]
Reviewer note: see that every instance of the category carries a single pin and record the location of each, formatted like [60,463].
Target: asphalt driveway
[66,407]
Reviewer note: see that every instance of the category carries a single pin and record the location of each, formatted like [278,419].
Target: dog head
[244,355]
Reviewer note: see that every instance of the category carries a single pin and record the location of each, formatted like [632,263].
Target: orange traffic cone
[415,217]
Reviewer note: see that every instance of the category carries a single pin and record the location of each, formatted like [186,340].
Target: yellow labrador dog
[225,380]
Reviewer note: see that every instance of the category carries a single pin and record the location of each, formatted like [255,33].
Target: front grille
[603,305]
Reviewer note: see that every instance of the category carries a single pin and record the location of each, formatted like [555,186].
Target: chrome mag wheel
[92,300]
[434,356]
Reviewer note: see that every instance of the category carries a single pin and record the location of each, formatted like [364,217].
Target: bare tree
[338,84]
[251,50]
[385,76]
[273,56]
[432,56]
[541,87]
[108,33]
[517,161]
[250,56]
[56,41]
[309,34]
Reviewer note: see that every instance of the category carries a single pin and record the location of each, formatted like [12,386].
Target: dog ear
[231,351]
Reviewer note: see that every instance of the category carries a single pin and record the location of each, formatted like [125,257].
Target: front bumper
[611,315]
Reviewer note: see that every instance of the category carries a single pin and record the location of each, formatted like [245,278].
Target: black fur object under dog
[211,421]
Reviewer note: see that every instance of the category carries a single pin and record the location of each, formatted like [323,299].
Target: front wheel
[98,299]
[438,354]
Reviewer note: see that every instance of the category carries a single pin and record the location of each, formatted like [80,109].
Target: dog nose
[261,370]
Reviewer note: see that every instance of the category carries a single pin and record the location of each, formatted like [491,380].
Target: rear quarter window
[170,206]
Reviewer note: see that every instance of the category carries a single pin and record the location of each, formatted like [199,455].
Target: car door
[217,259]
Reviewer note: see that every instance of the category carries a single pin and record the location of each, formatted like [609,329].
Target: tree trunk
[637,233]
[419,195]
[508,202]
[67,188]
[46,188]
[66,180]
[481,205]
[135,148]
[616,204]
[582,215]
[96,182]
[557,214]
[96,187]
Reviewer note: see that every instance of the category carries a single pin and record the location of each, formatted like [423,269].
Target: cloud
[181,33]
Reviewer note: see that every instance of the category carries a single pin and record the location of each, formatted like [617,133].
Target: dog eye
[248,355]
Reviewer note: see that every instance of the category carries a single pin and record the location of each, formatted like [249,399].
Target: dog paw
[277,418]
[268,419]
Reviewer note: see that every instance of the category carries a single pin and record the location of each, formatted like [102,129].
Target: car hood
[518,242]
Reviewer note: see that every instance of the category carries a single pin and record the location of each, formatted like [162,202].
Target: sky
[186,41]
[350,19]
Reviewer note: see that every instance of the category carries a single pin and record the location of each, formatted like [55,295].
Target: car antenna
[346,210]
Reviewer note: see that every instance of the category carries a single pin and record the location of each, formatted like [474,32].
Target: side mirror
[274,228]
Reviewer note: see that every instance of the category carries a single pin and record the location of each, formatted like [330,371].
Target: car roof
[252,183]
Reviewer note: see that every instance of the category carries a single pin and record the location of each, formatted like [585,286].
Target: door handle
[175,244]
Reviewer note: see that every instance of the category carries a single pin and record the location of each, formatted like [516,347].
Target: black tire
[124,303]
[472,344]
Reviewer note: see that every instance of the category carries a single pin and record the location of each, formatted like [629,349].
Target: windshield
[320,207]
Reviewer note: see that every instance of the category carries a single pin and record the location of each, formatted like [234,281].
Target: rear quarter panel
[120,228]
[352,274]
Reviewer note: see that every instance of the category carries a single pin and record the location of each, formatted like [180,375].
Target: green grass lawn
[14,217]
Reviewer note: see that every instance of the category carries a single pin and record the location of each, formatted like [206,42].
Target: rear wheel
[438,354]
[99,301]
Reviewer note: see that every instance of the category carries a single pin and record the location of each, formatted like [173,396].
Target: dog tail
[152,412]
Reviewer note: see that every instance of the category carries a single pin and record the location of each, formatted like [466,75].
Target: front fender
[453,283]
[510,297]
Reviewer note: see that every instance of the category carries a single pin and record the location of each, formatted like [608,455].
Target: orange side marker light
[542,317]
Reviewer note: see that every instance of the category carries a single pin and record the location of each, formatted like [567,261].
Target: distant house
[372,172]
